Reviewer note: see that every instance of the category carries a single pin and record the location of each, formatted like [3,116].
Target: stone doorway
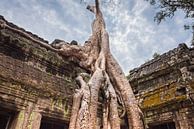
[48,123]
[6,118]
[168,125]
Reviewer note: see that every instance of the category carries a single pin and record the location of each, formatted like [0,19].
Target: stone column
[183,120]
[18,121]
[28,118]
[35,120]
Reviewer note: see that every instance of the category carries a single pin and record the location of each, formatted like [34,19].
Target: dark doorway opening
[169,125]
[6,118]
[124,122]
[48,123]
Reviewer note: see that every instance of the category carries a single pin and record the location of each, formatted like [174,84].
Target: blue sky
[134,36]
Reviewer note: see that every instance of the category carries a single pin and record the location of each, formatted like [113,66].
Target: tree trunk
[95,84]
[121,82]
[106,74]
[113,106]
[75,109]
[95,56]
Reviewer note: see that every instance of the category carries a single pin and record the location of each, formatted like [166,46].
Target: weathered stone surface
[164,87]
[34,80]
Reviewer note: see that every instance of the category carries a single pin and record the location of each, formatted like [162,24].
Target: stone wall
[37,84]
[35,81]
[164,88]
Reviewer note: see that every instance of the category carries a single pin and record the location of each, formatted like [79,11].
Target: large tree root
[106,74]
[84,112]
[85,105]
[121,82]
[96,57]
[112,105]
[75,109]
[80,106]
[95,84]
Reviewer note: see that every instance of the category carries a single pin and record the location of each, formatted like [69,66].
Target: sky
[134,36]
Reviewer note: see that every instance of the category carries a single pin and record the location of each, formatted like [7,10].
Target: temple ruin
[165,91]
[37,85]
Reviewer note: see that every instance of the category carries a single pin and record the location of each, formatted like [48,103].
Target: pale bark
[83,114]
[95,56]
[105,71]
[75,109]
[105,116]
[121,82]
[113,110]
[95,84]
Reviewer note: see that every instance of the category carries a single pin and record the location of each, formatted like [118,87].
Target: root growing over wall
[106,74]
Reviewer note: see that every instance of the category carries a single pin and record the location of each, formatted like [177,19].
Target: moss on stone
[161,96]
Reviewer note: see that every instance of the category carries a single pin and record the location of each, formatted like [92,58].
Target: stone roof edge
[2,19]
[4,24]
[152,61]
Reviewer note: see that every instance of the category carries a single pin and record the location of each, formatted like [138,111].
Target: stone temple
[37,84]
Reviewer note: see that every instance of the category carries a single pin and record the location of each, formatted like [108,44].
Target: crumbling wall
[164,88]
[35,81]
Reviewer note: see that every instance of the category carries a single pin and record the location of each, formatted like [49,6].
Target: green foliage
[156,55]
[167,8]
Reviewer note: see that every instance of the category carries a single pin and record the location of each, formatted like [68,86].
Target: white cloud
[134,37]
[48,22]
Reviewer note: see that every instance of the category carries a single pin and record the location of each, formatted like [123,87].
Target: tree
[169,7]
[104,74]
[156,55]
